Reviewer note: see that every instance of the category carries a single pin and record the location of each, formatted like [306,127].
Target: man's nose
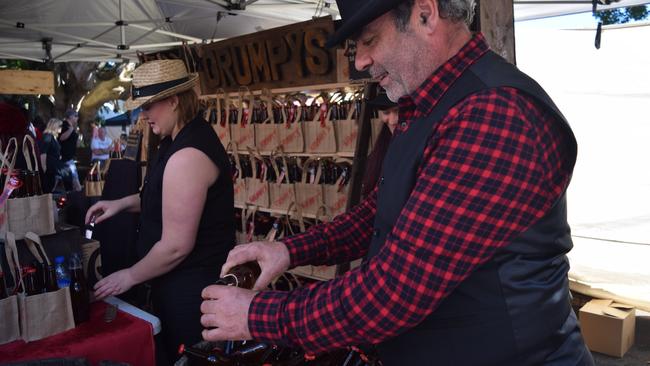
[362,60]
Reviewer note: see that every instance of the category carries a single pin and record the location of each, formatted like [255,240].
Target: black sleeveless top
[216,232]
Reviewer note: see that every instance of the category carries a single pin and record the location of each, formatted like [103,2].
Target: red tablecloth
[126,339]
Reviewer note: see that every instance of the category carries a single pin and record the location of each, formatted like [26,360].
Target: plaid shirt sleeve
[346,238]
[494,166]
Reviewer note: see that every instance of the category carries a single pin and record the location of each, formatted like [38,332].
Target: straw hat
[158,79]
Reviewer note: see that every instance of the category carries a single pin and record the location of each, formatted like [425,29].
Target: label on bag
[320,137]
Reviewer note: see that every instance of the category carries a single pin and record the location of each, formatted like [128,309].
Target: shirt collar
[422,101]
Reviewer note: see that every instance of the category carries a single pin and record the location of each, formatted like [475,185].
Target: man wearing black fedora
[465,237]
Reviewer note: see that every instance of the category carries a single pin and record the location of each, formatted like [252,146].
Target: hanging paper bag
[290,131]
[257,187]
[309,194]
[243,132]
[320,137]
[282,193]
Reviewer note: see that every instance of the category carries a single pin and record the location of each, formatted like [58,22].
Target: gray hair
[454,10]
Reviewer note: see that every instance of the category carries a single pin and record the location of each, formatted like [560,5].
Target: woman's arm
[43,162]
[188,175]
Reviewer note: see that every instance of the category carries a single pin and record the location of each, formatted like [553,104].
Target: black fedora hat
[355,14]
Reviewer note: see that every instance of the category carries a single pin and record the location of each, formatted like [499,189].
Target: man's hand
[225,313]
[273,258]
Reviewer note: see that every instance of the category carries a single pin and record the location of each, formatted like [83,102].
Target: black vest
[216,233]
[513,310]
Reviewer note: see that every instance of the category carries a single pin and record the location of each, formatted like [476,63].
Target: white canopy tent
[83,30]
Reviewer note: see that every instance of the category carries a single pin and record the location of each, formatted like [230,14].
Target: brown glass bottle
[30,281]
[36,184]
[199,357]
[50,279]
[79,291]
[3,286]
[243,275]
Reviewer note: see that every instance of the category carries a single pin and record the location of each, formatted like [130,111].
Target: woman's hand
[273,258]
[116,283]
[103,210]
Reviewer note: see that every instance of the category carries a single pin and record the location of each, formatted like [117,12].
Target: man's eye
[368,41]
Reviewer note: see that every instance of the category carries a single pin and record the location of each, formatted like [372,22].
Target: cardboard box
[608,327]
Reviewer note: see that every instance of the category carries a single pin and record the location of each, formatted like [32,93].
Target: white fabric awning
[83,30]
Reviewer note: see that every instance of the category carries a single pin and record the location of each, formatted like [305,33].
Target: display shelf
[274,211]
[305,89]
[319,155]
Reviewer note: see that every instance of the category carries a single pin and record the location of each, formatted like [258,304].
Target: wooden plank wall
[26,82]
[495,18]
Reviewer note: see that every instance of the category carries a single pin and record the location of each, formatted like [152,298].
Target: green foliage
[623,15]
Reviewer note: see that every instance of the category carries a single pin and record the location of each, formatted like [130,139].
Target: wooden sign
[26,82]
[293,55]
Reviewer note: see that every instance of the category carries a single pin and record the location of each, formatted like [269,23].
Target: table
[126,339]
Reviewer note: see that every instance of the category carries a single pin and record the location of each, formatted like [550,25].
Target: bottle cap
[59,259]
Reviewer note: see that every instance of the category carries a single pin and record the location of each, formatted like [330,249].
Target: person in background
[38,126]
[51,155]
[465,238]
[186,205]
[68,141]
[388,115]
[100,146]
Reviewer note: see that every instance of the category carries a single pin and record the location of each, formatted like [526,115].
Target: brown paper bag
[281,192]
[266,133]
[9,315]
[290,132]
[347,131]
[336,195]
[320,137]
[45,314]
[220,123]
[309,194]
[94,188]
[8,159]
[35,213]
[247,224]
[239,182]
[257,188]
[243,132]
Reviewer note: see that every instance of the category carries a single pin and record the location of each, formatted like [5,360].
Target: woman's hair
[53,126]
[188,106]
[375,161]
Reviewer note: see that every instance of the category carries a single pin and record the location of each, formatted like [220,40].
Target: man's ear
[425,14]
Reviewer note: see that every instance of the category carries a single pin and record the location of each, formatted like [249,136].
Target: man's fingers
[214,292]
[209,321]
[215,334]
[263,280]
[238,255]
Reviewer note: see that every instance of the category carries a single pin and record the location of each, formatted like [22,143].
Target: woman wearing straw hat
[186,204]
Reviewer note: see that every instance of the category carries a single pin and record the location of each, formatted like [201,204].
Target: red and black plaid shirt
[495,164]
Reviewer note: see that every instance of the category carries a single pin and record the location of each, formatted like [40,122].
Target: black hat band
[154,89]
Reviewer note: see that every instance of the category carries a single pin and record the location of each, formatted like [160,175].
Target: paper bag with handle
[34,212]
[45,314]
[282,192]
[309,194]
[257,187]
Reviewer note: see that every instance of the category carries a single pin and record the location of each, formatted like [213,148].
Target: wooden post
[495,18]
[360,156]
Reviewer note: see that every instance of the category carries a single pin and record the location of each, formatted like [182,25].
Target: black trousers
[176,298]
